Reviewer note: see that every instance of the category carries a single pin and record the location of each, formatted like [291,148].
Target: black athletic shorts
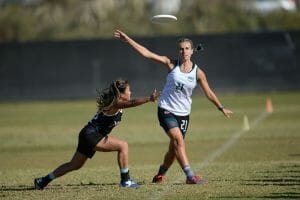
[87,140]
[168,120]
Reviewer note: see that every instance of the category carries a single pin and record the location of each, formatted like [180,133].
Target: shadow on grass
[16,188]
[295,155]
[284,195]
[58,187]
[287,176]
[274,181]
[284,175]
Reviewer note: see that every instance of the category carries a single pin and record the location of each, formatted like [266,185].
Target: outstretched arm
[138,101]
[143,50]
[210,94]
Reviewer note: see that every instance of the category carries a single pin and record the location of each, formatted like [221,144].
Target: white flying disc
[163,19]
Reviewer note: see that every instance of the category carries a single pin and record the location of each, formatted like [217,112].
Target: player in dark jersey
[95,135]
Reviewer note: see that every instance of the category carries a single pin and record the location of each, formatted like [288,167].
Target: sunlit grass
[36,137]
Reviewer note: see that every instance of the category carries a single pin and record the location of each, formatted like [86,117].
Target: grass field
[262,163]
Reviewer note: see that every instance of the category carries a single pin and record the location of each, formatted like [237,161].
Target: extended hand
[120,35]
[227,112]
[154,96]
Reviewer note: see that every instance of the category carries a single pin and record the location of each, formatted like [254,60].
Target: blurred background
[64,49]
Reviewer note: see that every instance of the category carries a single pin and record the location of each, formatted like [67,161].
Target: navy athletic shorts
[87,140]
[168,120]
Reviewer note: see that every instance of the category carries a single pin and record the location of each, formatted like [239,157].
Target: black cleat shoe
[39,183]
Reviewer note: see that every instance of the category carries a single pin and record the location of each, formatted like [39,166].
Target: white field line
[218,152]
[235,136]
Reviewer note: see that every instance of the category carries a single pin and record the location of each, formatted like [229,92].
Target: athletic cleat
[195,180]
[39,183]
[129,184]
[158,178]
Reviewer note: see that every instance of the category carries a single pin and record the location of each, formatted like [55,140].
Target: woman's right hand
[143,50]
[121,36]
[154,96]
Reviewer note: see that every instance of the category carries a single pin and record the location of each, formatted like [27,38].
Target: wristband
[221,108]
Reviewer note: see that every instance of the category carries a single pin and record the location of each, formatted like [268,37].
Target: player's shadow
[16,188]
[59,186]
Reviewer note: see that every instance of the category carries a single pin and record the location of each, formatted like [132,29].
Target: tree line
[77,19]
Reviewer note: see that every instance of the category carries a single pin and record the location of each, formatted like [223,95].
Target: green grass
[264,163]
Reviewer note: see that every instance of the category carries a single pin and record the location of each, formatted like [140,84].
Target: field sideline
[262,163]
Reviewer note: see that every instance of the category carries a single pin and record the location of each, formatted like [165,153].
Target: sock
[47,179]
[188,171]
[124,174]
[124,170]
[51,176]
[162,170]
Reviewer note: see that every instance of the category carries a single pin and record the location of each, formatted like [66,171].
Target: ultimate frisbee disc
[163,19]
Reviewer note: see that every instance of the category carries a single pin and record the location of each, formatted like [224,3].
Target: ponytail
[107,97]
[199,48]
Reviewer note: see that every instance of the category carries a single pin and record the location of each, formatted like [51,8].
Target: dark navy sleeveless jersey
[105,123]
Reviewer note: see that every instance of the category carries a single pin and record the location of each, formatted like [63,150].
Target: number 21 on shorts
[183,125]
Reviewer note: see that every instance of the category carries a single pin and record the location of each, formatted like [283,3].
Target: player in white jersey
[175,102]
[176,95]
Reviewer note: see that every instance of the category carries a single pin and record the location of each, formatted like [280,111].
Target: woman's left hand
[227,112]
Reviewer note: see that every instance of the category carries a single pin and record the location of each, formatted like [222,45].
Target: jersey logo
[115,123]
[190,79]
[179,86]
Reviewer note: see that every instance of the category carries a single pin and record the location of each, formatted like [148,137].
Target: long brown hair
[107,97]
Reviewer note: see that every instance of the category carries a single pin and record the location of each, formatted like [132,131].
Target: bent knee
[123,146]
[177,142]
[175,134]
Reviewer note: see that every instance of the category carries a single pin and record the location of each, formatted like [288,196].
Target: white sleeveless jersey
[177,92]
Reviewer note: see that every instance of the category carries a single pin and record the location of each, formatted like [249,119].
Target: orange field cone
[246,126]
[269,106]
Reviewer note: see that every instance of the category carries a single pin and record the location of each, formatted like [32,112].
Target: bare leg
[176,148]
[169,156]
[176,151]
[111,143]
[76,163]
